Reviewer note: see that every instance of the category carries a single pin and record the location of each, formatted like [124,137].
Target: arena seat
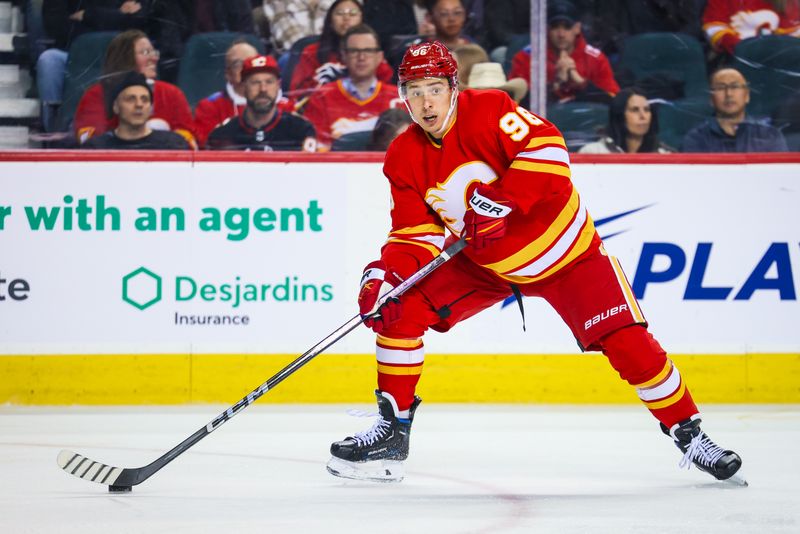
[770,64]
[668,57]
[202,68]
[579,122]
[677,117]
[352,142]
[84,67]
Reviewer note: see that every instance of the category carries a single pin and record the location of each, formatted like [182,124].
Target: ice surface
[473,469]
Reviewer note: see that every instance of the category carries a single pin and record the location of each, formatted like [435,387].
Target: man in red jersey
[478,166]
[353,103]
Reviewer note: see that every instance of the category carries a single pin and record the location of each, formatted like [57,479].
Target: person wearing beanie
[131,101]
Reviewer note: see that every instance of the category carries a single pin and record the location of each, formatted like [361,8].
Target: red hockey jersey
[493,141]
[726,22]
[334,111]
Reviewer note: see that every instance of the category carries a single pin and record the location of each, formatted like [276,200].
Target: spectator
[448,18]
[353,103]
[503,20]
[262,125]
[320,62]
[132,50]
[291,20]
[217,108]
[575,70]
[466,57]
[632,127]
[391,123]
[726,22]
[490,75]
[731,129]
[64,21]
[132,105]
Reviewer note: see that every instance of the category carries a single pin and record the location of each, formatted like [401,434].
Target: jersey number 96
[515,123]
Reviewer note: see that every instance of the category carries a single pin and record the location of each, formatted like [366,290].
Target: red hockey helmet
[428,60]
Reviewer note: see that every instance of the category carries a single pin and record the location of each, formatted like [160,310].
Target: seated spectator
[448,18]
[353,103]
[290,20]
[575,70]
[490,75]
[132,105]
[731,129]
[391,123]
[220,106]
[132,50]
[466,57]
[64,21]
[632,127]
[320,62]
[262,125]
[726,22]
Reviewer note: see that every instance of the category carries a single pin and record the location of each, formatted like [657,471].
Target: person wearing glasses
[731,129]
[353,103]
[321,62]
[132,50]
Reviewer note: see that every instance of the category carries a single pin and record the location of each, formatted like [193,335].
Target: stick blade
[82,467]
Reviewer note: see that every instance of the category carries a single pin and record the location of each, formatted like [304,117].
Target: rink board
[109,262]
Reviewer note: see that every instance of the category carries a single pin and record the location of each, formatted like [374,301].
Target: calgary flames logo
[449,198]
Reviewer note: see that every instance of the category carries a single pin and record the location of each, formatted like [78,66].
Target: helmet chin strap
[446,123]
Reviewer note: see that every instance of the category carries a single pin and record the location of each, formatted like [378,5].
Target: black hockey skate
[698,449]
[378,453]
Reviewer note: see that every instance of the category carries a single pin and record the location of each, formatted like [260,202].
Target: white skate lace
[379,429]
[702,449]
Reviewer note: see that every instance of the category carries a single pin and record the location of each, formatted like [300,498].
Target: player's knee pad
[634,353]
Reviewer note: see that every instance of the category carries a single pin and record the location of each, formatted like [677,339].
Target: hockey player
[481,167]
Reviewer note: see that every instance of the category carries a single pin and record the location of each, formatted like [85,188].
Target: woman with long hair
[632,127]
[132,51]
[321,62]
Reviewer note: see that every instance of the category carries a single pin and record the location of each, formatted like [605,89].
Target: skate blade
[737,480]
[376,471]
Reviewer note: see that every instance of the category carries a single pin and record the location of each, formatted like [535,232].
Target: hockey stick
[121,479]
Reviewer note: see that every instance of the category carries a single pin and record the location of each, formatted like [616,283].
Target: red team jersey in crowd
[334,111]
[303,75]
[171,111]
[726,22]
[530,166]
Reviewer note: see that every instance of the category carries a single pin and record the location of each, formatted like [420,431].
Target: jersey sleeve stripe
[541,167]
[421,229]
[547,154]
[432,248]
[537,142]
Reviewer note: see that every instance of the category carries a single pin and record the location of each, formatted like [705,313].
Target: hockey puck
[120,489]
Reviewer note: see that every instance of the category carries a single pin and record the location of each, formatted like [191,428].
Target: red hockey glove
[485,219]
[376,281]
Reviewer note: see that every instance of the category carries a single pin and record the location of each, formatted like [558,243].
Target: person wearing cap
[353,103]
[263,125]
[132,104]
[490,75]
[575,69]
[479,170]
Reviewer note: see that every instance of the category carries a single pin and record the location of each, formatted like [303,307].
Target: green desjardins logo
[141,288]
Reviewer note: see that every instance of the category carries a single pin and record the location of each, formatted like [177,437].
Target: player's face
[345,16]
[562,36]
[638,115]
[729,93]
[234,59]
[261,91]
[133,106]
[362,54]
[146,58]
[429,100]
